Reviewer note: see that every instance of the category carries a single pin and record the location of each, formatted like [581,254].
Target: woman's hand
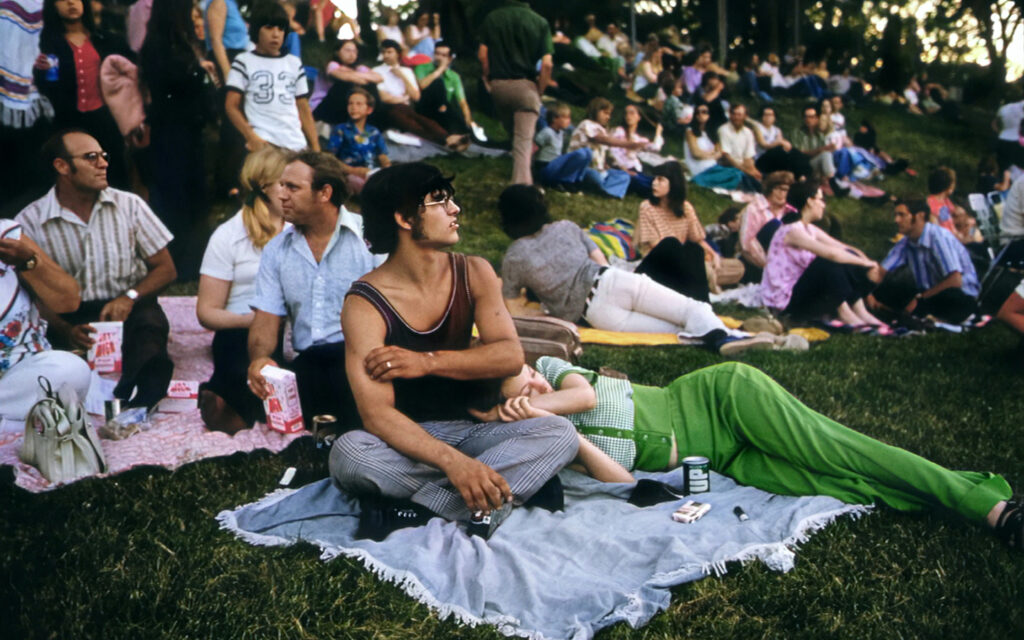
[519,408]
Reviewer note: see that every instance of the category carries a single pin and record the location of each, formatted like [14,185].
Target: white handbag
[59,440]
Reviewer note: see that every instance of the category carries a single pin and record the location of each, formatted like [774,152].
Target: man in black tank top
[407,326]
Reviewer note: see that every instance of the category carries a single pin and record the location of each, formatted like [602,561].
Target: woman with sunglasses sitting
[810,275]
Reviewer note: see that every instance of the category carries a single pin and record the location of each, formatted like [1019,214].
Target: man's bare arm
[499,354]
[481,487]
[47,281]
[263,334]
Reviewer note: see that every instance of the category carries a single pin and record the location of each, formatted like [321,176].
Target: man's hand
[80,336]
[15,252]
[480,486]
[384,364]
[257,383]
[117,309]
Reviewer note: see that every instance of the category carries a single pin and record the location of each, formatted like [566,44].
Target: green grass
[140,555]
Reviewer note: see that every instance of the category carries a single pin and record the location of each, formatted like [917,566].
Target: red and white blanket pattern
[174,438]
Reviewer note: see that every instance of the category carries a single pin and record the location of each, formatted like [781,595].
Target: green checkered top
[609,425]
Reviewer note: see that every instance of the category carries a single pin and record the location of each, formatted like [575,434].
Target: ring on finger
[388,364]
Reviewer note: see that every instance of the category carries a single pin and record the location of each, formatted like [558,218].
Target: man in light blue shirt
[939,278]
[304,275]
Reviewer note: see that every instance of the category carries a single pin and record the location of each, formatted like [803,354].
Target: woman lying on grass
[752,430]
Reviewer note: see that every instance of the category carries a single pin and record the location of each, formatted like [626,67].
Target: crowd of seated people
[349,285]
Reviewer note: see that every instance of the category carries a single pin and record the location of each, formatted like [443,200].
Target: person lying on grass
[750,429]
[562,266]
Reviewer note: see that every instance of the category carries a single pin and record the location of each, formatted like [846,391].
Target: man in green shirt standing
[442,98]
[813,143]
[512,40]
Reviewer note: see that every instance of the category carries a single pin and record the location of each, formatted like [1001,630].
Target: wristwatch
[29,264]
[132,295]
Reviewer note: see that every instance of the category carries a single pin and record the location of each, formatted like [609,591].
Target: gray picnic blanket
[552,575]
[399,152]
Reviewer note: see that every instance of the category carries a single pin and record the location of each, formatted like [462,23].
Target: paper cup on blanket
[284,413]
[105,353]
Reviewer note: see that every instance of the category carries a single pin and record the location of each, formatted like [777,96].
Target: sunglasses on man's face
[93,157]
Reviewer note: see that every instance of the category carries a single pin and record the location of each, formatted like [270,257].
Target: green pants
[754,431]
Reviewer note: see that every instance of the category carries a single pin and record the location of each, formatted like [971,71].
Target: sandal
[1010,525]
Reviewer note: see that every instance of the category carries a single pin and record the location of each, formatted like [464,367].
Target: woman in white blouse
[226,279]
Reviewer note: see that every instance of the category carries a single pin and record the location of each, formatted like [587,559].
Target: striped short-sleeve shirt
[106,255]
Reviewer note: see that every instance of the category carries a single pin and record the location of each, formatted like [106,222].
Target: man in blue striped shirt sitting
[928,272]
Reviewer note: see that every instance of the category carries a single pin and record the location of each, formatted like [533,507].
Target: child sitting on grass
[360,146]
[272,88]
[724,235]
[552,167]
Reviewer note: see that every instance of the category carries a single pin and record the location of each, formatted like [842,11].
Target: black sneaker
[550,496]
[380,516]
[484,526]
[1010,526]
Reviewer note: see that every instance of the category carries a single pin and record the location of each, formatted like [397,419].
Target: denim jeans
[625,301]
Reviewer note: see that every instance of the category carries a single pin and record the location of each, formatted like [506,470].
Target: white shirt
[1009,116]
[231,256]
[1012,224]
[768,135]
[270,86]
[697,165]
[738,144]
[393,84]
[581,137]
[22,330]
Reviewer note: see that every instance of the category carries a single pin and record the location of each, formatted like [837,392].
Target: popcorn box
[284,413]
[182,395]
[105,353]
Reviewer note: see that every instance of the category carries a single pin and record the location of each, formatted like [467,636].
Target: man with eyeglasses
[116,249]
[303,275]
[442,97]
[408,326]
[813,143]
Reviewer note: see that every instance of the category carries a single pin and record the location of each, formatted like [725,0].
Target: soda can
[324,430]
[696,475]
[111,409]
[52,72]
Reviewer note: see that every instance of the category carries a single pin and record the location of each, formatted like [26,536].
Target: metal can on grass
[324,430]
[696,475]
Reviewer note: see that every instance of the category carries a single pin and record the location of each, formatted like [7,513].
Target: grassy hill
[140,555]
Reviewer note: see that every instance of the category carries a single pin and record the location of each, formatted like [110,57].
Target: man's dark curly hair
[399,188]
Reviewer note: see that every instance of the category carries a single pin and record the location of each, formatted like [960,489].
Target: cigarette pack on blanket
[284,413]
[105,353]
[182,395]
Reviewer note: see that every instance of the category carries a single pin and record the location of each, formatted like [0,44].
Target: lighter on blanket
[690,511]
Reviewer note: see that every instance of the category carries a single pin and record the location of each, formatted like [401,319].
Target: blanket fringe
[780,556]
[229,522]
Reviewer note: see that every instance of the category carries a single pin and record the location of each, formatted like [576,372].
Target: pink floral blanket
[173,439]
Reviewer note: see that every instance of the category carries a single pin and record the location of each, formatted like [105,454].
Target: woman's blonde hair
[261,169]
